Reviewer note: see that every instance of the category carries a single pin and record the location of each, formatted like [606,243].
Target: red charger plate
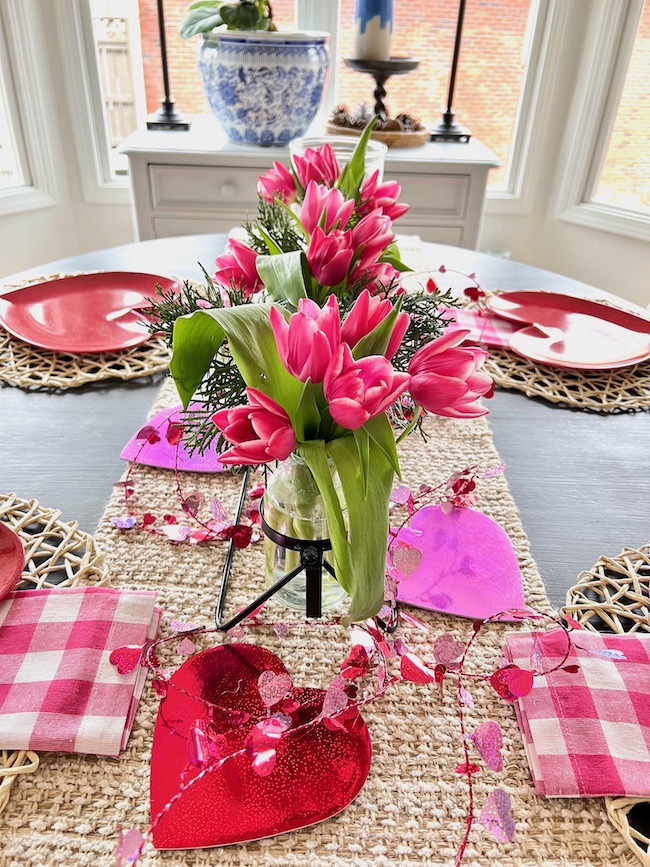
[82,314]
[12,559]
[573,332]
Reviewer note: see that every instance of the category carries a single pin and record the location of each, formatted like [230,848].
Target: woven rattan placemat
[57,554]
[26,366]
[413,806]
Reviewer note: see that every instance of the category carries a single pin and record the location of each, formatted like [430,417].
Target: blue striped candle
[373,28]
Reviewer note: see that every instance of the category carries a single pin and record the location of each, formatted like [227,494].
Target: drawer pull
[228,190]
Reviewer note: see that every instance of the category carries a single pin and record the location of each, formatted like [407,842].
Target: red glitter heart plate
[319,768]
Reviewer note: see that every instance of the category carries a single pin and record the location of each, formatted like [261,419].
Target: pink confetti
[203,747]
[401,495]
[496,816]
[466,697]
[124,522]
[129,847]
[186,647]
[175,532]
[336,698]
[572,669]
[609,654]
[447,651]
[256,491]
[273,687]
[126,658]
[413,669]
[488,740]
[174,433]
[571,622]
[220,517]
[512,682]
[467,768]
[182,626]
[537,655]
[357,664]
[261,745]
[191,502]
[406,560]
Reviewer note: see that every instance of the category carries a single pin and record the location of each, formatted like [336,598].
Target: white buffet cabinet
[196,181]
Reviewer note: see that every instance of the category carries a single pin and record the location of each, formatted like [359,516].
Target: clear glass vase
[294,507]
[343,147]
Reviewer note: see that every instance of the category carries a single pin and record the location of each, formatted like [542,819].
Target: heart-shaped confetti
[413,669]
[488,740]
[406,560]
[468,568]
[447,651]
[512,682]
[126,658]
[496,816]
[273,687]
[317,771]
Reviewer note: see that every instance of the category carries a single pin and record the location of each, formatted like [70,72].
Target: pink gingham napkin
[483,327]
[586,733]
[58,690]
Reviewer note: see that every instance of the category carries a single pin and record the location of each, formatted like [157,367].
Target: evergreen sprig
[277,224]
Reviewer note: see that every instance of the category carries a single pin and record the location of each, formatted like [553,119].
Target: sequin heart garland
[316,772]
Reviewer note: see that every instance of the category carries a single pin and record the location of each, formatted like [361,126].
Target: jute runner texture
[412,809]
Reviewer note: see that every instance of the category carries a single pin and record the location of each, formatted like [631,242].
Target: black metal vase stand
[312,562]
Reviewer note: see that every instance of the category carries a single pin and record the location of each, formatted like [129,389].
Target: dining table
[581,480]
[568,485]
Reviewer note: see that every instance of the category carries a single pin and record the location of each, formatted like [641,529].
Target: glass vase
[343,147]
[294,507]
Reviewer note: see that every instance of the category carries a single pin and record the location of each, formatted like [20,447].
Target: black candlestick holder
[381,71]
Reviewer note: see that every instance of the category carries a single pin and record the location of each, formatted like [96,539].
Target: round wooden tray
[391,139]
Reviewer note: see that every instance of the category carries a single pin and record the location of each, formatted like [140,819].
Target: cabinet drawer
[438,234]
[439,196]
[202,188]
[170,227]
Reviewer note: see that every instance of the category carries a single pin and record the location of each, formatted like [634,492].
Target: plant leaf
[393,257]
[363,445]
[307,418]
[381,433]
[282,276]
[367,523]
[352,175]
[200,19]
[376,341]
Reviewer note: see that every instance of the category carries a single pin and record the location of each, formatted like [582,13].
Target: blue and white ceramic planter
[264,88]
[373,29]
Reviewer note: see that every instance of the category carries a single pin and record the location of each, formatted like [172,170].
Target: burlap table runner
[413,806]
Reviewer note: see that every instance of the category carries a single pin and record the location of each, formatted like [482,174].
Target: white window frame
[609,45]
[28,86]
[84,91]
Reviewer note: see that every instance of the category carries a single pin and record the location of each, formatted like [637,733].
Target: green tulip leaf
[351,177]
[282,276]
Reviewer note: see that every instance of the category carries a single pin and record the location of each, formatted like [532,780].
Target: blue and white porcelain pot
[264,88]
[373,29]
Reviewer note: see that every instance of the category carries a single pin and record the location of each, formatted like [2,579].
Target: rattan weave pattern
[29,367]
[412,809]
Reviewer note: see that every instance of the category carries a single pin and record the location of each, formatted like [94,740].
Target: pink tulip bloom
[378,277]
[261,432]
[307,341]
[236,268]
[277,183]
[319,165]
[359,390]
[368,311]
[371,236]
[384,197]
[445,377]
[318,199]
[329,256]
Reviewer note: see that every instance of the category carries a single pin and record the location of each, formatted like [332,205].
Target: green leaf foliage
[282,276]
[352,175]
[202,19]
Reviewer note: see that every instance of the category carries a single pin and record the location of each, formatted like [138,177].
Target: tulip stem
[407,430]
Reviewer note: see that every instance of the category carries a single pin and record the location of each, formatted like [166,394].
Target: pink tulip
[368,311]
[371,236]
[319,165]
[307,341]
[445,377]
[377,277]
[318,199]
[261,432]
[236,268]
[359,390]
[384,197]
[329,256]
[277,183]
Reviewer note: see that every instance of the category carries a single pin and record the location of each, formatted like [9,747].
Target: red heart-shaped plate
[317,772]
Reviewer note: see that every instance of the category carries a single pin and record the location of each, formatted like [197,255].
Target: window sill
[607,218]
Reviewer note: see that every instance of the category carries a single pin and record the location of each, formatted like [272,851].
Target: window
[27,177]
[606,179]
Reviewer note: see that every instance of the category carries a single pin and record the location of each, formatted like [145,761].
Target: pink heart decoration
[512,682]
[274,781]
[126,658]
[469,567]
[159,448]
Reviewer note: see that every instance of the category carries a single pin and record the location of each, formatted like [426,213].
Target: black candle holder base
[449,130]
[168,118]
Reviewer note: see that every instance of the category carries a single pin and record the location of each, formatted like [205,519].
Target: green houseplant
[205,15]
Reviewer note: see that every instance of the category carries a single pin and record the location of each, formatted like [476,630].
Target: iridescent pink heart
[487,739]
[512,682]
[468,568]
[126,658]
[262,743]
[496,816]
[273,687]
[412,668]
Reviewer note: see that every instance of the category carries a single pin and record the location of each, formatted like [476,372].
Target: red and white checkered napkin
[58,691]
[484,328]
[586,733]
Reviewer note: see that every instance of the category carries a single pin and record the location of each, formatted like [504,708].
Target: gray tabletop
[581,481]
